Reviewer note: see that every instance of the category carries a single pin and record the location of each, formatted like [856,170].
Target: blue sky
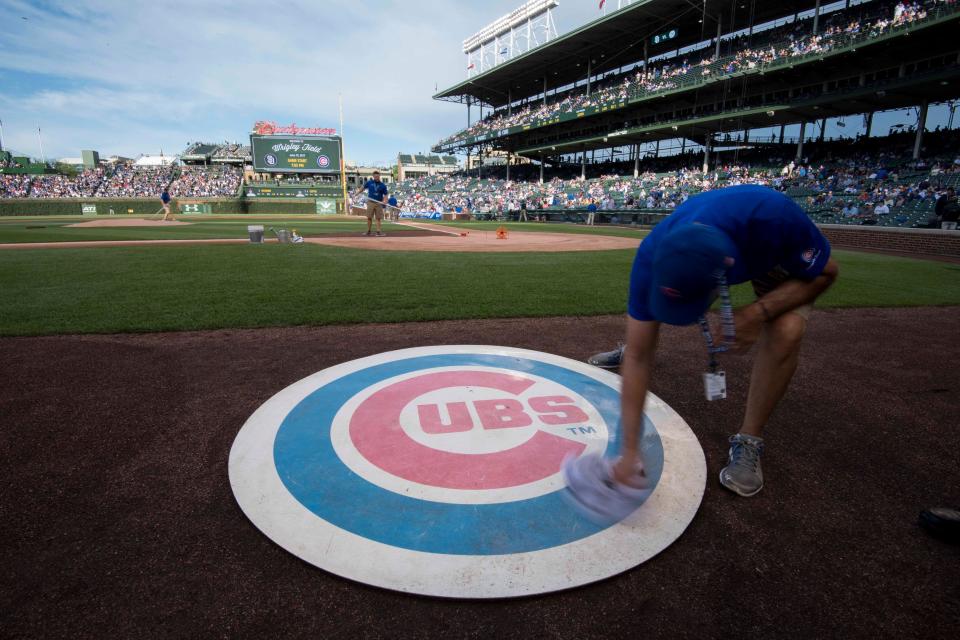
[136,76]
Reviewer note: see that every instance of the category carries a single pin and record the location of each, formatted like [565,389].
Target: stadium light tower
[514,34]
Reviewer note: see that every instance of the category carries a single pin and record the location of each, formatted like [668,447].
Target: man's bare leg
[772,370]
[776,361]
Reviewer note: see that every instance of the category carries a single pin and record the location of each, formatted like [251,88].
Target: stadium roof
[149,160]
[861,77]
[614,41]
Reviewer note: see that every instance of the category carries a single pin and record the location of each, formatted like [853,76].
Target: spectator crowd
[196,182]
[858,186]
[62,186]
[759,51]
[126,181]
[14,185]
[129,181]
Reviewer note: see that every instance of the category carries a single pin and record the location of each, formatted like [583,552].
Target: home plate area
[436,471]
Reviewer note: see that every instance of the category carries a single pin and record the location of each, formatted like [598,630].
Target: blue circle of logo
[323,161]
[313,473]
[270,159]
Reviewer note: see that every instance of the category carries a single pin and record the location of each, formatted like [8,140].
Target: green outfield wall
[119,206]
[294,191]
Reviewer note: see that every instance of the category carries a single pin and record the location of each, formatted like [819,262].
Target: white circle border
[664,517]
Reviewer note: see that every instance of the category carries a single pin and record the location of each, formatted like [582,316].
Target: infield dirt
[129,222]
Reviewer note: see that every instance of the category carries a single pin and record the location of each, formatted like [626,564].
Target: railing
[654,124]
[699,75]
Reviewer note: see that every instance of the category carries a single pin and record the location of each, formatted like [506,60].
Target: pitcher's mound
[129,222]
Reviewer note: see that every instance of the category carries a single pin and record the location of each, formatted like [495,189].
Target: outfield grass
[180,288]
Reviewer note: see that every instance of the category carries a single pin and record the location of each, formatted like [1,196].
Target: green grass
[874,280]
[47,230]
[180,288]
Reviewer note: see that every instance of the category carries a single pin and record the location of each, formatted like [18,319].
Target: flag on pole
[601,4]
[471,66]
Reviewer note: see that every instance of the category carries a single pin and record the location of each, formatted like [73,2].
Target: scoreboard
[295,154]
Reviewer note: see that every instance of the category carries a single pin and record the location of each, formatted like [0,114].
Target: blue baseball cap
[687,266]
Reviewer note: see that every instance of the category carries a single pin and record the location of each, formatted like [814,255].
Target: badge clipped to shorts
[715,385]
[715,379]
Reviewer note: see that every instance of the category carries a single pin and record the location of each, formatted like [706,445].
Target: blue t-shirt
[375,190]
[767,229]
[392,201]
[164,197]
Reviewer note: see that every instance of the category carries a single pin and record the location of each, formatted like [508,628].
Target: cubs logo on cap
[810,256]
[437,471]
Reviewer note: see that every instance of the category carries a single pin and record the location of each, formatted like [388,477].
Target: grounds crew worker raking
[376,194]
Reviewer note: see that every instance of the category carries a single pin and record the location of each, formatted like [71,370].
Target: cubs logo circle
[270,159]
[436,471]
[323,161]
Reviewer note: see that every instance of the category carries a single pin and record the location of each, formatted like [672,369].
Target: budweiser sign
[267,128]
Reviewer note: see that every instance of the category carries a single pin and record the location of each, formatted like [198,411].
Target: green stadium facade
[415,165]
[902,64]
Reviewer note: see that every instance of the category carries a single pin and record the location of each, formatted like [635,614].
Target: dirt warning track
[119,521]
[414,237]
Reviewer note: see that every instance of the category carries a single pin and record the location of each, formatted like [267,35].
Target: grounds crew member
[591,212]
[165,199]
[715,239]
[376,193]
[394,211]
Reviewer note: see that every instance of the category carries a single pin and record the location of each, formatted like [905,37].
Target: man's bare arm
[786,297]
[636,369]
[796,293]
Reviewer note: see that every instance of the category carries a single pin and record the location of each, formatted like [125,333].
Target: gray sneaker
[608,359]
[380,234]
[743,475]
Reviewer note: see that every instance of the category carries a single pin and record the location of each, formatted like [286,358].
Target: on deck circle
[436,471]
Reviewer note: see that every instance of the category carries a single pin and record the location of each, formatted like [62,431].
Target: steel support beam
[803,132]
[921,125]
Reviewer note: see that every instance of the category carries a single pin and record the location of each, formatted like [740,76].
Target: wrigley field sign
[295,154]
